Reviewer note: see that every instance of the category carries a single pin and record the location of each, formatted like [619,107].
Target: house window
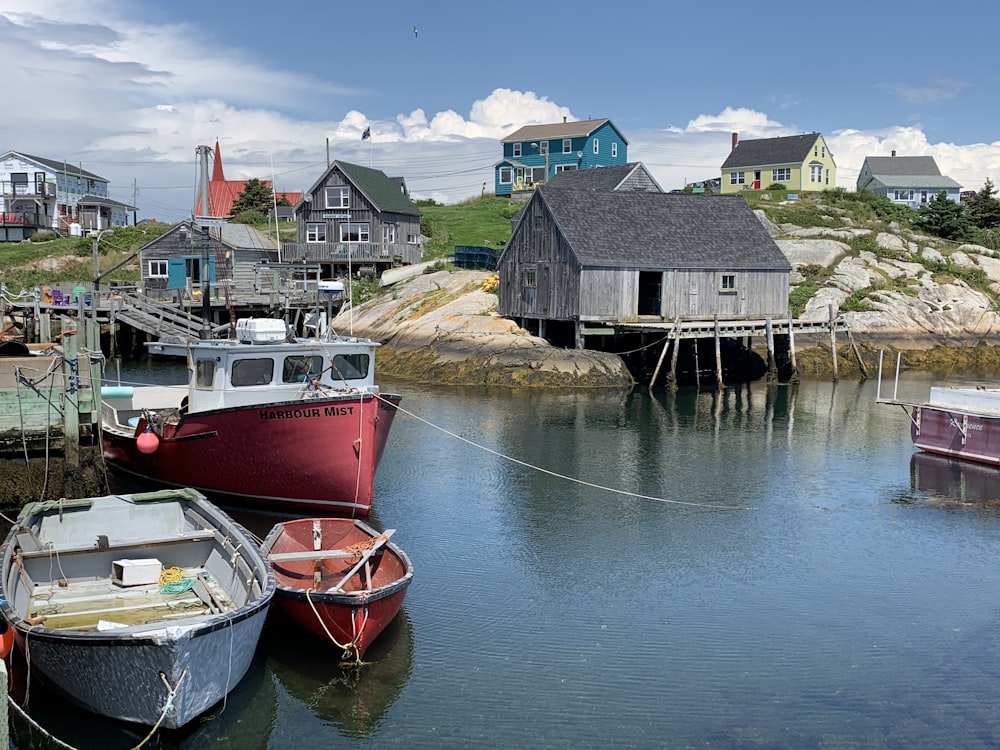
[727,282]
[781,174]
[565,168]
[737,178]
[157,269]
[529,277]
[567,145]
[355,232]
[822,151]
[614,149]
[517,151]
[411,239]
[815,173]
[597,146]
[316,232]
[388,234]
[543,148]
[903,195]
[338,197]
[506,175]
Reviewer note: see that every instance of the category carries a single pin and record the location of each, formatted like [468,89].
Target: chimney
[893,152]
[736,139]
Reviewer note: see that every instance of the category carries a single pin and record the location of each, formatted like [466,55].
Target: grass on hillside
[481,221]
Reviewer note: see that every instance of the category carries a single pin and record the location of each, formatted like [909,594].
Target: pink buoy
[147,442]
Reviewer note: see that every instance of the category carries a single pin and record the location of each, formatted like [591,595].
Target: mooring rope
[24,715]
[556,474]
[171,694]
[347,648]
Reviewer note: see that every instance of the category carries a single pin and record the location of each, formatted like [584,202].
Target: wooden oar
[379,541]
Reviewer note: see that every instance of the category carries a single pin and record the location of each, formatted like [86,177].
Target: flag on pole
[367,134]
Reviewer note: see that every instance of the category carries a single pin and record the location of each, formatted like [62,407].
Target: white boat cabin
[260,367]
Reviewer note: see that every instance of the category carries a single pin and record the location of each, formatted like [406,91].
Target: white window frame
[567,145]
[388,234]
[781,174]
[411,239]
[506,175]
[338,196]
[816,173]
[737,178]
[516,151]
[543,148]
[157,269]
[363,231]
[565,168]
[597,146]
[614,149]
[727,283]
[316,231]
[529,277]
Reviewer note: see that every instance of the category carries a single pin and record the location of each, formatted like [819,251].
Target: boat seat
[195,535]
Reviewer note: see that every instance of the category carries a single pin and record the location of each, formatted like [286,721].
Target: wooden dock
[716,329]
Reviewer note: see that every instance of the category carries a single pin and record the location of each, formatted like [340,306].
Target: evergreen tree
[255,196]
[944,218]
[983,210]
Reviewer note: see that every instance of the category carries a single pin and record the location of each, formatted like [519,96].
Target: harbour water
[748,569]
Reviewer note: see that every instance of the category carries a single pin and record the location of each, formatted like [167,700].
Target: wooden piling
[772,367]
[659,362]
[857,354]
[718,355]
[794,378]
[71,399]
[833,343]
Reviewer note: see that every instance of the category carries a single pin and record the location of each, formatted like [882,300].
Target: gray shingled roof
[60,166]
[902,165]
[914,181]
[662,230]
[578,129]
[383,192]
[100,200]
[791,149]
[595,178]
[244,237]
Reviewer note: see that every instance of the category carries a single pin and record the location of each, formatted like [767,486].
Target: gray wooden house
[356,219]
[598,256]
[235,254]
[911,181]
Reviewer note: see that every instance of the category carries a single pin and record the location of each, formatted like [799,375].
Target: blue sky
[129,89]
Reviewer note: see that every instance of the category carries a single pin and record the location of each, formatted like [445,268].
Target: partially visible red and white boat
[959,422]
[338,578]
[264,419]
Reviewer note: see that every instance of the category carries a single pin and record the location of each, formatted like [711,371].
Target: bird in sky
[414,32]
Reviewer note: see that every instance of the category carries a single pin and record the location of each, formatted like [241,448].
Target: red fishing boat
[264,419]
[338,578]
[961,422]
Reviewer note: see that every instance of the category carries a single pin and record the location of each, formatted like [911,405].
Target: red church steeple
[217,175]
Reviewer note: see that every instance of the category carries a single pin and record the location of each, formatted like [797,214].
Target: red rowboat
[263,420]
[338,578]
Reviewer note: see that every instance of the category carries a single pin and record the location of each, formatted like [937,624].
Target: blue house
[534,153]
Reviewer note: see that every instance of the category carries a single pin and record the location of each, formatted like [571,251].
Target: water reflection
[243,720]
[956,482]
[352,699]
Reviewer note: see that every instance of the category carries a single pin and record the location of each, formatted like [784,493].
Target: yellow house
[799,162]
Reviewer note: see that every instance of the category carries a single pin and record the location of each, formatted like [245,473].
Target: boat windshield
[301,368]
[349,366]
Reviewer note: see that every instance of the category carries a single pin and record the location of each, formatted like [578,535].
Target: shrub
[43,236]
[250,216]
